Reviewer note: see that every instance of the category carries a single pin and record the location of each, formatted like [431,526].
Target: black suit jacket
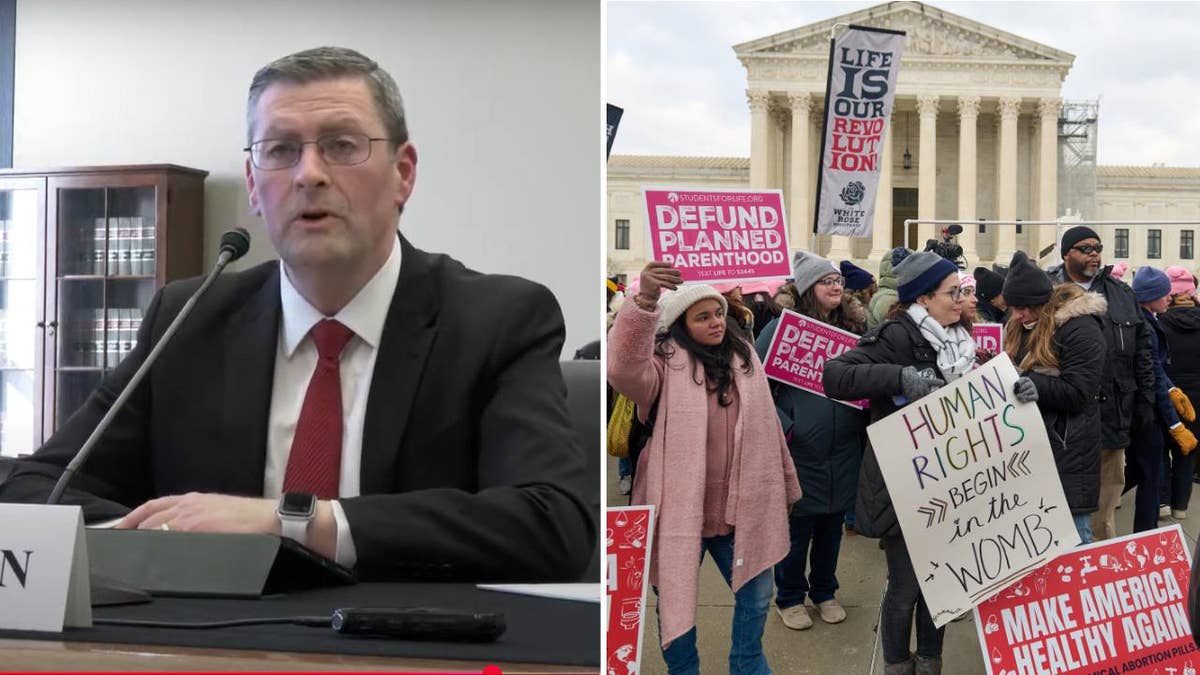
[470,470]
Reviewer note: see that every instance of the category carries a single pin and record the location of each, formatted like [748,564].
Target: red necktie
[314,465]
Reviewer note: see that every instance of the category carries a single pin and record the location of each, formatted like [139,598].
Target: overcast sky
[671,67]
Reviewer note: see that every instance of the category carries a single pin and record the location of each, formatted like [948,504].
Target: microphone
[234,245]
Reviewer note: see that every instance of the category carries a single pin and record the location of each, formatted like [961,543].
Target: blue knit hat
[856,277]
[1150,284]
[920,273]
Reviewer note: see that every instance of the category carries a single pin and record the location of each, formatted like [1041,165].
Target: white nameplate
[44,583]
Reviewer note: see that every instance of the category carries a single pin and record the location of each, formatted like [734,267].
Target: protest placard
[799,350]
[718,235]
[627,539]
[989,336]
[975,488]
[864,63]
[1116,606]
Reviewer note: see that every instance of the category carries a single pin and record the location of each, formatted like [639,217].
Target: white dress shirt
[295,360]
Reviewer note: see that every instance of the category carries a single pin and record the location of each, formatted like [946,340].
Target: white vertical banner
[859,93]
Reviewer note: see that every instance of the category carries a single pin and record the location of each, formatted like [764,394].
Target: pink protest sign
[719,235]
[1117,606]
[799,350]
[989,336]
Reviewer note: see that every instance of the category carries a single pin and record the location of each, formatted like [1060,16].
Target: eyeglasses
[832,280]
[271,154]
[1087,249]
[955,293]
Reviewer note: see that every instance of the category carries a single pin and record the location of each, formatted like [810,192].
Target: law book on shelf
[98,344]
[99,252]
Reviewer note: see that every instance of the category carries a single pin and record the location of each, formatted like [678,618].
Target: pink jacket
[762,481]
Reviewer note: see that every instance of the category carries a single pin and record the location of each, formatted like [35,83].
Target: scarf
[955,346]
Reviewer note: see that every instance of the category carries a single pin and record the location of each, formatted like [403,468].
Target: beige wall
[501,99]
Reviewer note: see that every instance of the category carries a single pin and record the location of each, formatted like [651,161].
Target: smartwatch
[296,511]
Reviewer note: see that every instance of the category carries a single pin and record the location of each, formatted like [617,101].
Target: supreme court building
[979,130]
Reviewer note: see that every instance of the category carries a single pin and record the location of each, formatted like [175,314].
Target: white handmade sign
[975,488]
[44,582]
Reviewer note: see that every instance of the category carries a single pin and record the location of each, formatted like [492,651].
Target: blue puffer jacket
[825,438]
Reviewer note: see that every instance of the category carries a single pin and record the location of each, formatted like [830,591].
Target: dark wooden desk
[57,655]
[543,636]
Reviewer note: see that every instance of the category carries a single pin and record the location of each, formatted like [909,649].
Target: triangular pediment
[930,32]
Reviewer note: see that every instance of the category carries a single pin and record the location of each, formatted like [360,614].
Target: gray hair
[327,63]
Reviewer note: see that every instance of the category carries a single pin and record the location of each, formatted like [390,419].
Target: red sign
[627,549]
[1116,606]
[719,235]
[799,350]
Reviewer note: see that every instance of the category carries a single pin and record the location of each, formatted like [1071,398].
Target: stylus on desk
[400,624]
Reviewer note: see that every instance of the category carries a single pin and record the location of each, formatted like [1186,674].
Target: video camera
[947,249]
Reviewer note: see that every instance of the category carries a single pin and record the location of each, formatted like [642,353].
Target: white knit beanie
[675,303]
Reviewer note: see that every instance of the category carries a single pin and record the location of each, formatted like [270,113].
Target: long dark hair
[717,360]
[808,306]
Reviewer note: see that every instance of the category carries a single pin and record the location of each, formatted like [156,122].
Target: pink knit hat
[966,280]
[1181,281]
[1119,270]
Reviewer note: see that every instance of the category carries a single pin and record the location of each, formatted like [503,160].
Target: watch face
[297,504]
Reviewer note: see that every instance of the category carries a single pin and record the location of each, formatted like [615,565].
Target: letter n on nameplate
[44,583]
[975,488]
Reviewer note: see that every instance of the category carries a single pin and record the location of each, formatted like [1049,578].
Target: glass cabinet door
[106,257]
[21,312]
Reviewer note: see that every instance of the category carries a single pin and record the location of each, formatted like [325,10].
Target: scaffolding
[1077,158]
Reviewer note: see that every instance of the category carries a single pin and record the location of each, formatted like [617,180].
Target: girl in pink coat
[716,467]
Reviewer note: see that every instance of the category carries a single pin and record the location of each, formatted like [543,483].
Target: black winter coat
[1130,363]
[872,370]
[1181,326]
[825,438]
[1068,399]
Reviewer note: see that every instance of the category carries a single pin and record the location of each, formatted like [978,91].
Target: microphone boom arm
[228,253]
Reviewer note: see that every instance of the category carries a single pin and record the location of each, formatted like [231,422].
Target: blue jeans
[1083,525]
[824,533]
[750,605]
[623,467]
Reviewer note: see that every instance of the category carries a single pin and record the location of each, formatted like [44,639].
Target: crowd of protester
[767,479]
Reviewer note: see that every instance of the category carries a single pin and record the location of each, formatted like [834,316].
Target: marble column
[800,210]
[927,108]
[759,119]
[968,118]
[1006,193]
[881,227]
[1048,109]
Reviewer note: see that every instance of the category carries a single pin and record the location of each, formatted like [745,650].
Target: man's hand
[204,512]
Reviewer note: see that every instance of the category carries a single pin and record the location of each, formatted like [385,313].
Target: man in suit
[387,407]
